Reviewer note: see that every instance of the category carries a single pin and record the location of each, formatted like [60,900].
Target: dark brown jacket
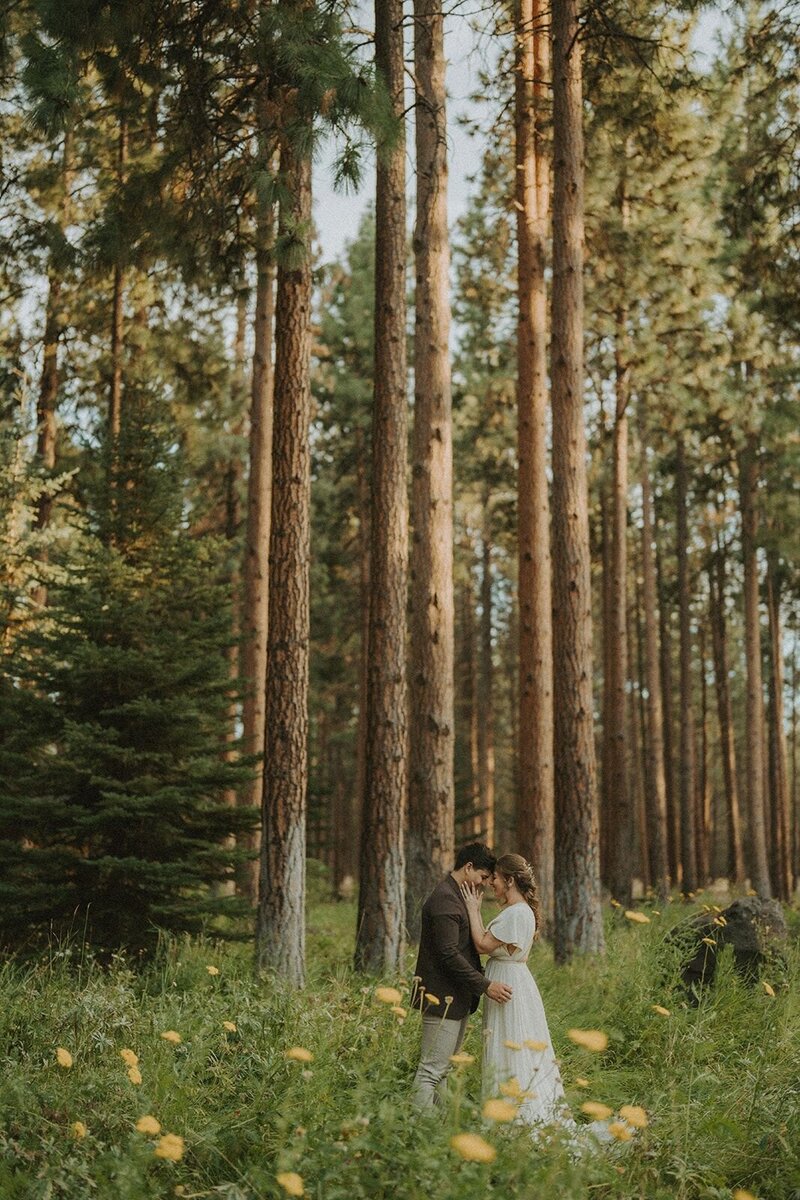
[448,963]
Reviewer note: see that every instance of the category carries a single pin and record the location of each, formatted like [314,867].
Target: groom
[449,979]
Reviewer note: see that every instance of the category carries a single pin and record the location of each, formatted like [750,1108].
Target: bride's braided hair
[516,868]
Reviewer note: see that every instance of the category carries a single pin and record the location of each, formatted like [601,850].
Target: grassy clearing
[720,1083]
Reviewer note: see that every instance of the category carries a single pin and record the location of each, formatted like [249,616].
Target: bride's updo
[515,869]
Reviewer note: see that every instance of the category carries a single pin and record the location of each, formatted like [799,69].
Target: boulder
[755,929]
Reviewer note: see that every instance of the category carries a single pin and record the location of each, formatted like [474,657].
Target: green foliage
[718,1082]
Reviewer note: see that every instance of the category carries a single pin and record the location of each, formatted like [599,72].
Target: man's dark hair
[477,853]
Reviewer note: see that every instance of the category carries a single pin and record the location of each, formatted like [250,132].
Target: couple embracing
[518,1057]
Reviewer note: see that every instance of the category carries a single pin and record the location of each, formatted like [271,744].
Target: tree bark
[686,777]
[255,614]
[719,646]
[782,871]
[703,794]
[758,861]
[431,793]
[535,814]
[484,707]
[281,918]
[655,776]
[667,704]
[117,316]
[578,921]
[381,898]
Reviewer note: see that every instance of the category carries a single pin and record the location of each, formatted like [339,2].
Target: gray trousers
[440,1039]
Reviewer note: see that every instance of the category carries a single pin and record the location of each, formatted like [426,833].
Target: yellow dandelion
[230,1026]
[79,1130]
[291,1182]
[63,1058]
[637,917]
[299,1054]
[135,1075]
[462,1060]
[398,1010]
[532,1044]
[473,1148]
[635,1115]
[130,1058]
[620,1131]
[499,1110]
[741,1194]
[512,1087]
[388,995]
[615,904]
[589,1039]
[512,1045]
[213,970]
[768,988]
[581,1082]
[662,1012]
[596,1110]
[709,941]
[429,996]
[148,1125]
[171,1146]
[171,1035]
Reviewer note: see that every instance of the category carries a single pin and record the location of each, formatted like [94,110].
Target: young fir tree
[112,818]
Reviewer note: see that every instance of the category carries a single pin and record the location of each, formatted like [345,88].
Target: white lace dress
[518,1055]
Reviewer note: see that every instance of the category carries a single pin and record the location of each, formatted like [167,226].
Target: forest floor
[720,1083]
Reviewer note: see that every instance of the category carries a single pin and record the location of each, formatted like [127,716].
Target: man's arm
[445,927]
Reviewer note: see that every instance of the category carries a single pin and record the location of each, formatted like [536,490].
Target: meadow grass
[720,1082]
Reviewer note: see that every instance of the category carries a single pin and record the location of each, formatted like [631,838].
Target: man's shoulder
[444,897]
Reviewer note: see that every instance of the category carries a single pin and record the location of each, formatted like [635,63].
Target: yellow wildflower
[398,1010]
[148,1125]
[768,988]
[596,1110]
[499,1110]
[64,1058]
[532,1044]
[388,995]
[129,1058]
[581,1082]
[719,921]
[170,1146]
[429,996]
[512,1087]
[638,917]
[291,1182]
[590,1039]
[230,1026]
[741,1194]
[135,1075]
[462,1060]
[709,941]
[299,1054]
[621,1131]
[512,1045]
[79,1130]
[213,970]
[473,1148]
[635,1115]
[662,1012]
[615,903]
[171,1035]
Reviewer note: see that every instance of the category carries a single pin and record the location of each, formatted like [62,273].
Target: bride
[518,1056]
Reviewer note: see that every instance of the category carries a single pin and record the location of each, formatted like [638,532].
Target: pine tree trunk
[667,705]
[484,705]
[578,919]
[703,802]
[466,704]
[719,644]
[535,817]
[357,801]
[655,775]
[281,917]
[381,898]
[754,713]
[255,608]
[619,811]
[782,871]
[117,317]
[634,734]
[686,777]
[431,793]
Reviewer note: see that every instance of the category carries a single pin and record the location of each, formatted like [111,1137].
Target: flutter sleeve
[513,926]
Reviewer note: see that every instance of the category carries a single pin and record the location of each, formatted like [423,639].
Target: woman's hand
[472,898]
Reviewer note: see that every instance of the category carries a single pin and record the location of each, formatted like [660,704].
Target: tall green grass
[720,1082]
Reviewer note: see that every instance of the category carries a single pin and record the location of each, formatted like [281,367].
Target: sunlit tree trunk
[782,872]
[381,899]
[578,923]
[686,766]
[430,846]
[719,644]
[484,707]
